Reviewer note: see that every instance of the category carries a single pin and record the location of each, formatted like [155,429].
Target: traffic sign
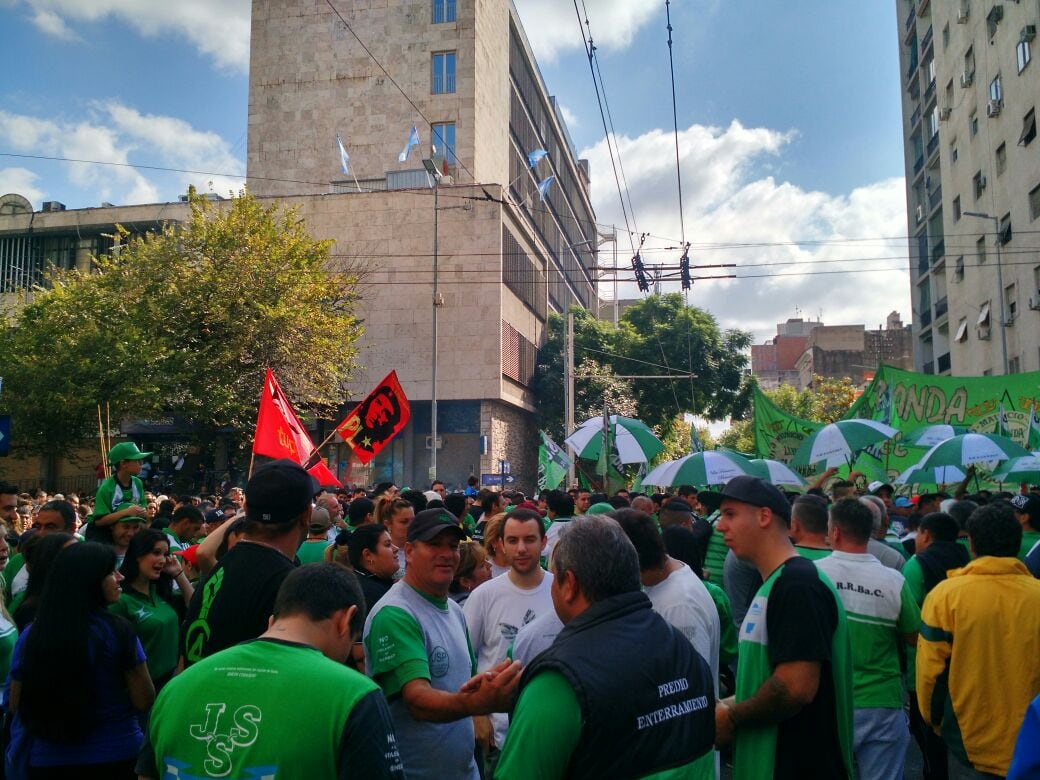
[497,480]
[5,434]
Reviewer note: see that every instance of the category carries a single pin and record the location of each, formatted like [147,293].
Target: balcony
[935,197]
[910,18]
[938,252]
[915,117]
[943,363]
[930,92]
[941,308]
[926,316]
[929,367]
[926,41]
[933,145]
[918,164]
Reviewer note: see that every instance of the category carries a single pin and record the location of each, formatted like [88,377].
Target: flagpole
[101,441]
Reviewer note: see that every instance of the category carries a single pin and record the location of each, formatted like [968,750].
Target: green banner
[1006,405]
[552,464]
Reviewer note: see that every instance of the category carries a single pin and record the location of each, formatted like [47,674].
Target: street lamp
[435,177]
[1000,283]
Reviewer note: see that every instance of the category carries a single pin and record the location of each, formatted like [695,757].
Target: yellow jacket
[977,654]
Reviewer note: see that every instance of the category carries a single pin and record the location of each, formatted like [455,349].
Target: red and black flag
[376,420]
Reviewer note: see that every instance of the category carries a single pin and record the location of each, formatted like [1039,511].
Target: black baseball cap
[1028,505]
[757,492]
[430,522]
[359,508]
[279,491]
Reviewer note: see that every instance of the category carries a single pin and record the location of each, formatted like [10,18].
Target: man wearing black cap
[236,600]
[792,714]
[418,651]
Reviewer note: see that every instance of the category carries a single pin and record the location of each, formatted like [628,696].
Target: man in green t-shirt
[792,713]
[882,613]
[229,716]
[417,649]
[121,495]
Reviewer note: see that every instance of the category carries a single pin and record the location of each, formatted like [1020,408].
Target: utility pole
[568,393]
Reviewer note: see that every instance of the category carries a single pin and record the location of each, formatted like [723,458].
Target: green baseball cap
[128,518]
[126,450]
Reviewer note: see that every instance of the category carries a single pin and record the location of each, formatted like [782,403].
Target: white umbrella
[777,473]
[632,439]
[838,443]
[937,475]
[711,467]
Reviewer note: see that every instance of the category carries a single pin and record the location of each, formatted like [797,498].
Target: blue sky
[789,117]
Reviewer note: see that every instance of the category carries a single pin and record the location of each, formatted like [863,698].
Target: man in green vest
[229,715]
[792,713]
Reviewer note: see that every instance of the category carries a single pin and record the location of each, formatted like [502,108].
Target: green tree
[184,321]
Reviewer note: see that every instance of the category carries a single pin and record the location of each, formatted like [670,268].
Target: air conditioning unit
[993,108]
[967,78]
[1034,303]
[1009,320]
[920,214]
[982,333]
[962,15]
[944,113]
[1028,33]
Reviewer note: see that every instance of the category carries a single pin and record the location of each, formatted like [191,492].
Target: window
[958,269]
[996,90]
[1014,365]
[1001,156]
[949,95]
[933,123]
[443,73]
[1010,303]
[1004,232]
[993,18]
[957,209]
[444,141]
[969,61]
[1024,55]
[946,35]
[980,250]
[1034,203]
[973,123]
[953,154]
[443,11]
[1028,128]
[978,184]
[962,331]
[983,320]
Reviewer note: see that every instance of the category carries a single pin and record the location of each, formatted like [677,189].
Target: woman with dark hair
[148,601]
[78,676]
[374,558]
[40,552]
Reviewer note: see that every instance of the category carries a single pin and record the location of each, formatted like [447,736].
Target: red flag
[279,433]
[376,420]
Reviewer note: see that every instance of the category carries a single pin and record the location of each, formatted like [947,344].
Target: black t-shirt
[235,601]
[800,622]
[372,587]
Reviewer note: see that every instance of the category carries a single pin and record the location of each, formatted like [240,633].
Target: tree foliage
[184,321]
[659,335]
[828,400]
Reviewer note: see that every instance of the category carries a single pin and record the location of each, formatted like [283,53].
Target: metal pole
[433,379]
[1000,293]
[615,279]
[568,392]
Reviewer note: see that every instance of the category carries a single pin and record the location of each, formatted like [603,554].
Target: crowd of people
[282,630]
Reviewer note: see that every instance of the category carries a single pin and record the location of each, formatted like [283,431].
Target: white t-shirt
[536,636]
[685,603]
[495,611]
[553,535]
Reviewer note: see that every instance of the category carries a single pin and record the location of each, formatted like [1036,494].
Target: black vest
[938,559]
[647,697]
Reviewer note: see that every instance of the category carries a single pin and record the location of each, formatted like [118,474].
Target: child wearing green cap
[121,496]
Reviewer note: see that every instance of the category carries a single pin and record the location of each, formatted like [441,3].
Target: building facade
[504,255]
[853,351]
[775,363]
[969,94]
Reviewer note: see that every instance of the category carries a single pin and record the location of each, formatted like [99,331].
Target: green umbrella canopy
[969,449]
[838,443]
[632,439]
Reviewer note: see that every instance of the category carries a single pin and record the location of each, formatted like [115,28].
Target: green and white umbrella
[1024,469]
[937,475]
[711,467]
[838,444]
[969,449]
[777,473]
[633,441]
[930,435]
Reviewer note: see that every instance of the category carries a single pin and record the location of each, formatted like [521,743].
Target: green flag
[552,464]
[1034,429]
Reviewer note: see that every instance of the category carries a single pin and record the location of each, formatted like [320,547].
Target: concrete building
[504,256]
[838,351]
[775,363]
[970,93]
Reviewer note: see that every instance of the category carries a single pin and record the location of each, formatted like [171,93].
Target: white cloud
[569,116]
[552,26]
[115,133]
[21,181]
[772,230]
[53,25]
[218,28]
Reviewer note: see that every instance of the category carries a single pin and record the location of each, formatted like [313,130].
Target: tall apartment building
[504,256]
[970,93]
